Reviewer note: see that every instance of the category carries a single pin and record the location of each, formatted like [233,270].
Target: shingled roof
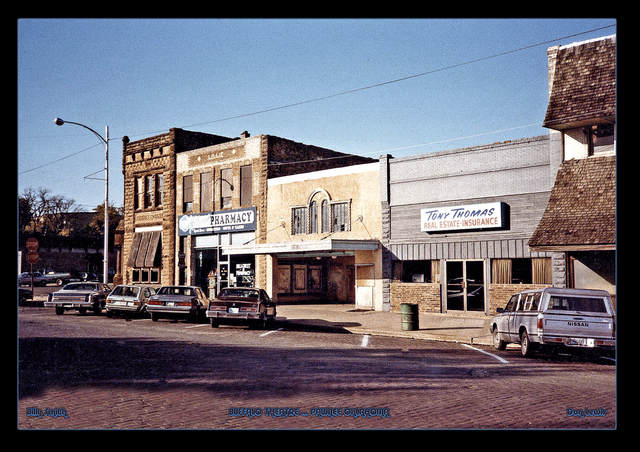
[583,82]
[581,212]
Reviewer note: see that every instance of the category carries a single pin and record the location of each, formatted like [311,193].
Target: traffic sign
[32,257]
[32,244]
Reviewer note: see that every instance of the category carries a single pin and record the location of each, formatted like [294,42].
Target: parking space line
[502,360]
[271,332]
[197,326]
[365,340]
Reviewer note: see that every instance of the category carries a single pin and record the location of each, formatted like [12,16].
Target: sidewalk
[468,329]
[345,318]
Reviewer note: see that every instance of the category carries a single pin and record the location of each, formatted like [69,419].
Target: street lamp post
[60,122]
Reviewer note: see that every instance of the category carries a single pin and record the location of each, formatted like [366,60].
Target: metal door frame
[445,284]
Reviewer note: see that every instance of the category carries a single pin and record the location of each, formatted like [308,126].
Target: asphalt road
[90,372]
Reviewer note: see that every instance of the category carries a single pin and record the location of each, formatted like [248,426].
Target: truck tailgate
[578,325]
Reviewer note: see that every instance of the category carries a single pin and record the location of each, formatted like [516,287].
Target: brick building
[149,169]
[188,194]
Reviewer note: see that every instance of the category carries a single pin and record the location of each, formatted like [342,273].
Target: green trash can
[409,317]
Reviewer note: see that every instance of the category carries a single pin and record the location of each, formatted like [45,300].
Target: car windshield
[239,293]
[585,304]
[126,291]
[84,287]
[188,291]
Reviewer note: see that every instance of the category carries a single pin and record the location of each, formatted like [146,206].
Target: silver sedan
[178,301]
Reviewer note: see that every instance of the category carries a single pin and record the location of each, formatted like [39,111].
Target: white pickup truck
[556,318]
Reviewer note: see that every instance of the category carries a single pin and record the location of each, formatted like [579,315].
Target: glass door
[465,286]
[455,286]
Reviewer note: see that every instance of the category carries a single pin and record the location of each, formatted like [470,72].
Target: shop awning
[312,246]
[143,249]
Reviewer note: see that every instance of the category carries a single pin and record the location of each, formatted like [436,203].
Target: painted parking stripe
[502,360]
[365,340]
[271,332]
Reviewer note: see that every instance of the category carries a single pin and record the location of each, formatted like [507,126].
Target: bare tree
[44,210]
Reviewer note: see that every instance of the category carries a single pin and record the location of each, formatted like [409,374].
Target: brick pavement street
[133,376]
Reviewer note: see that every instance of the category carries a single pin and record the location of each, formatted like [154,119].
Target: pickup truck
[575,318]
[59,278]
[81,296]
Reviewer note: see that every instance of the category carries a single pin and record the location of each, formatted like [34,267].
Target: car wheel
[526,347]
[214,323]
[498,343]
[154,317]
[59,310]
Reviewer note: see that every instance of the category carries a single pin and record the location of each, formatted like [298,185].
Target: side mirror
[499,310]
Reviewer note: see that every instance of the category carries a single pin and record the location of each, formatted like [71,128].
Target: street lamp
[60,122]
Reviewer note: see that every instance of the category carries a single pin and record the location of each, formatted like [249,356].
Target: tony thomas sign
[475,216]
[217,222]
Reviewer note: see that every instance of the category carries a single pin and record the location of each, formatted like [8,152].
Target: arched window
[326,216]
[313,217]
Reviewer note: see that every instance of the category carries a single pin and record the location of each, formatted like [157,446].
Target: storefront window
[521,271]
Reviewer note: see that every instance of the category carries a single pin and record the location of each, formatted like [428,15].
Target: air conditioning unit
[418,277]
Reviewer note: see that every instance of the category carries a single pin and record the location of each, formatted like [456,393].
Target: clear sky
[142,77]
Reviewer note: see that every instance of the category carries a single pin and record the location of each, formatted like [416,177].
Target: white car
[129,299]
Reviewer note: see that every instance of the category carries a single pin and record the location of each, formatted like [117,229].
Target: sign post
[32,256]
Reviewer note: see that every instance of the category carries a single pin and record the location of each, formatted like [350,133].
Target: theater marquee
[217,222]
[474,216]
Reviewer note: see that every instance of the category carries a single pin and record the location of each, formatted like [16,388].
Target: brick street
[137,374]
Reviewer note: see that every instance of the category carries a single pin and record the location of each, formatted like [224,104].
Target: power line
[377,85]
[355,90]
[58,160]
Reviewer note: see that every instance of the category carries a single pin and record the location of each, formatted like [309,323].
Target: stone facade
[154,171]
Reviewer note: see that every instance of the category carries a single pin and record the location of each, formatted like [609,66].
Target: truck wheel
[59,310]
[498,343]
[526,347]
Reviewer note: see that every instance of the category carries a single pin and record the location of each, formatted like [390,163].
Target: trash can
[409,316]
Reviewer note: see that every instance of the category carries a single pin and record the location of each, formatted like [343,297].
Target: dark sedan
[242,304]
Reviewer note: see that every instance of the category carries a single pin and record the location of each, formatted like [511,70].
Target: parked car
[81,296]
[129,299]
[242,304]
[575,318]
[24,279]
[178,301]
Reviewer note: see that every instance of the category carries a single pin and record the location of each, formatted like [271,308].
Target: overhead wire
[355,90]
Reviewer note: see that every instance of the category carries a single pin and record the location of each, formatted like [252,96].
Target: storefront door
[465,286]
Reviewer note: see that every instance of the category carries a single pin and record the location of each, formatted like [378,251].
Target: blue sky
[142,77]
